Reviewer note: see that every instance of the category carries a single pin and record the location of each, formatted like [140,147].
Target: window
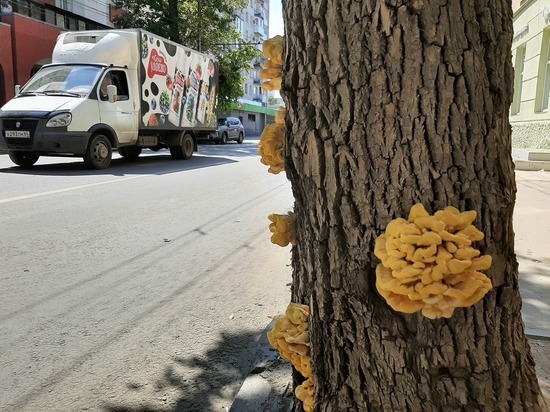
[21,7]
[518,78]
[239,24]
[37,12]
[72,23]
[60,20]
[50,16]
[251,117]
[543,83]
[118,79]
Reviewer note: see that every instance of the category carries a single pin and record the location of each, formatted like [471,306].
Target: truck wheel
[224,138]
[185,150]
[130,152]
[241,138]
[99,152]
[23,159]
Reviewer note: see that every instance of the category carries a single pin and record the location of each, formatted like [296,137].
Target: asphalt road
[143,287]
[146,286]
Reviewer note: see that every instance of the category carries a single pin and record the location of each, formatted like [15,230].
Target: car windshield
[221,121]
[74,80]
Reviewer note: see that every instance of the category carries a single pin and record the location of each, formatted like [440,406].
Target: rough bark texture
[390,103]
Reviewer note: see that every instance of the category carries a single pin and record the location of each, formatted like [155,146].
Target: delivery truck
[112,89]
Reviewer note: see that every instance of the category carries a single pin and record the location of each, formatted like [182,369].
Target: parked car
[229,128]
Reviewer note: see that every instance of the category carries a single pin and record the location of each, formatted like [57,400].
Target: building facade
[253,24]
[29,30]
[529,113]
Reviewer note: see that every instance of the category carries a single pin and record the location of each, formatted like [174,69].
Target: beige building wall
[530,110]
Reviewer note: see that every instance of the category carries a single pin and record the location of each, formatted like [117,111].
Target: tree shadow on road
[200,381]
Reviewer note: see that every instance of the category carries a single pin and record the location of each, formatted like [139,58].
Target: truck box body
[165,93]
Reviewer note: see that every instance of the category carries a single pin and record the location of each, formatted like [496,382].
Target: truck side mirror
[17,89]
[111,93]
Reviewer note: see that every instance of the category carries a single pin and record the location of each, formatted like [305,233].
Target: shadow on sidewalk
[199,381]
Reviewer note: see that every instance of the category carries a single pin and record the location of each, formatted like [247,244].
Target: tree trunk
[391,103]
[174,21]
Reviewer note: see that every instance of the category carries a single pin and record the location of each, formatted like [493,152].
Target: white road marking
[68,189]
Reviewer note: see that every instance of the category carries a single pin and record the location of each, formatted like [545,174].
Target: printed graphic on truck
[178,85]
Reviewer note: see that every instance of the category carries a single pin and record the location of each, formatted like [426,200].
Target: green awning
[246,107]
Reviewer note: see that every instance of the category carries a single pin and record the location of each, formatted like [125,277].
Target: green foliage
[204,25]
[231,80]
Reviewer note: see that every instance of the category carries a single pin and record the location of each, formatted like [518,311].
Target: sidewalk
[268,388]
[532,229]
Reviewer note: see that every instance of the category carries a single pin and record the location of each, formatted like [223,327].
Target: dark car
[229,128]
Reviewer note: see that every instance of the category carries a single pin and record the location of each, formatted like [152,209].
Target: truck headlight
[60,120]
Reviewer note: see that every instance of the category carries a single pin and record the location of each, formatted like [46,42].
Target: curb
[532,165]
[268,387]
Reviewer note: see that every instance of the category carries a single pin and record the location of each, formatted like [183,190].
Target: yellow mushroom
[273,84]
[280,116]
[430,222]
[482,263]
[417,211]
[290,337]
[269,64]
[270,148]
[428,262]
[471,233]
[273,49]
[298,314]
[401,303]
[466,253]
[282,227]
[268,74]
[451,247]
[305,392]
[458,266]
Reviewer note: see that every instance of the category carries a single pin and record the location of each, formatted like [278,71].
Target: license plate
[18,133]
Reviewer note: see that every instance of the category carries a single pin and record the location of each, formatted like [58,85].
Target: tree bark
[391,103]
[174,21]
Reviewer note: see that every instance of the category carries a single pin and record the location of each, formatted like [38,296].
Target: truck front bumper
[40,139]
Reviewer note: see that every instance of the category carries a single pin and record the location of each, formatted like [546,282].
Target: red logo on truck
[157,65]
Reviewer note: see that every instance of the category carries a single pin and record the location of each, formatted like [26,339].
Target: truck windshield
[73,80]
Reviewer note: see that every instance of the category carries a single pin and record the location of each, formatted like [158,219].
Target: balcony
[259,32]
[259,62]
[259,12]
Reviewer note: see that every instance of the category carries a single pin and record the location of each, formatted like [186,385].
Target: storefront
[254,118]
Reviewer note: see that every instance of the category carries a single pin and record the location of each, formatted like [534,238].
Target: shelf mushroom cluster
[270,148]
[290,337]
[272,72]
[282,227]
[290,334]
[428,262]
